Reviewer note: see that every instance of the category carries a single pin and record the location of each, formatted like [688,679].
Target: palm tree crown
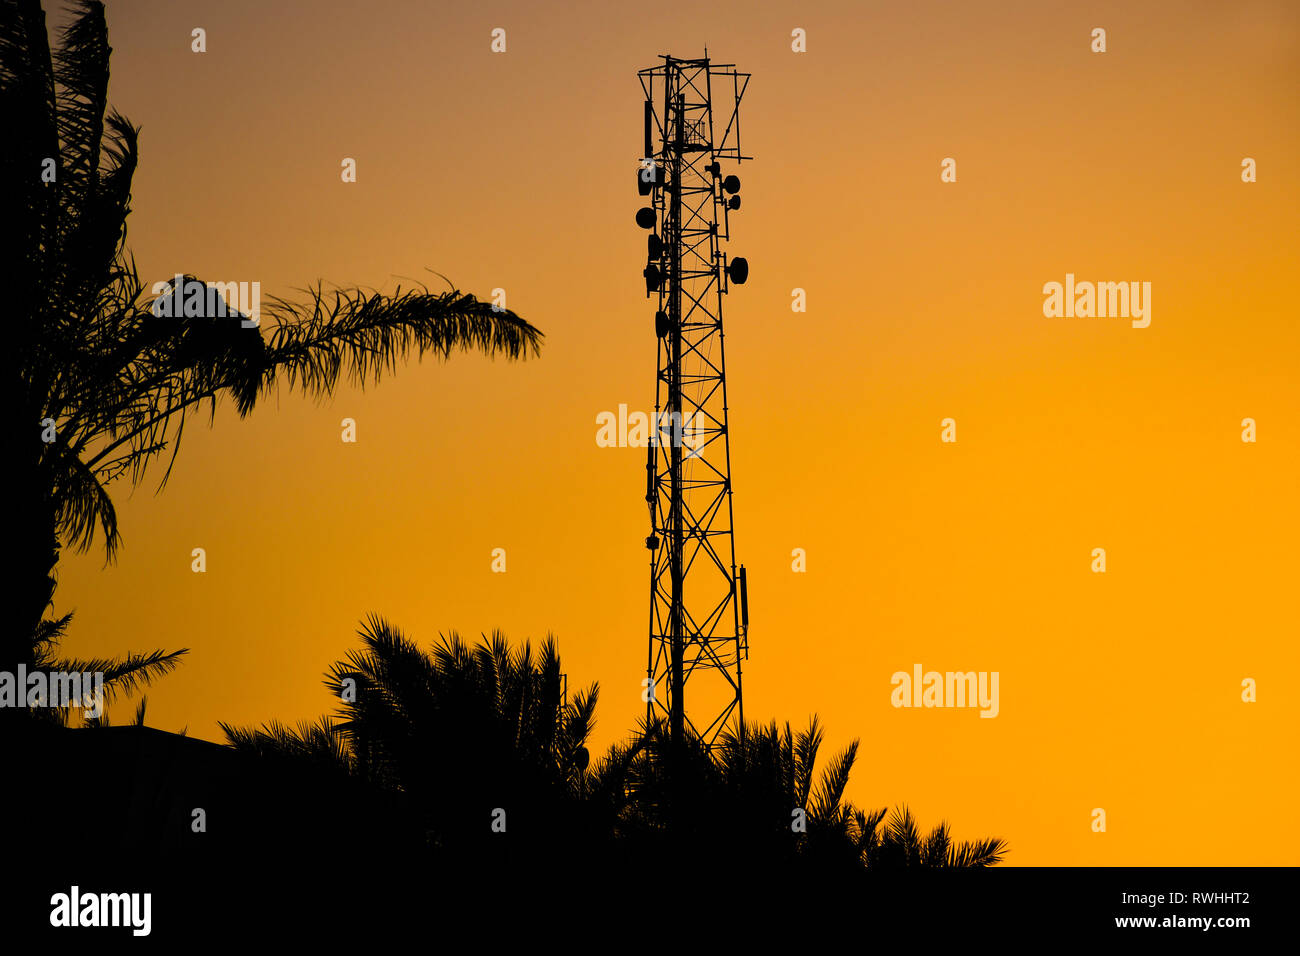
[100,385]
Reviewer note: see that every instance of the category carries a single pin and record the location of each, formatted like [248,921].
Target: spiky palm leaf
[977,853]
[121,675]
[317,744]
[899,844]
[828,808]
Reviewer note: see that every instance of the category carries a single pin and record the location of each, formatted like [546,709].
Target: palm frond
[125,675]
[936,846]
[977,853]
[362,335]
[50,632]
[81,75]
[318,743]
[827,803]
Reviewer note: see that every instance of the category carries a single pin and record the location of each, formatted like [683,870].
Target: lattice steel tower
[699,617]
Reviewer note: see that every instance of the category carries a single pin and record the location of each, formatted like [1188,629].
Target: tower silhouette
[699,616]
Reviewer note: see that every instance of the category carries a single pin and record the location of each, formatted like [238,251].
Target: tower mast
[699,617]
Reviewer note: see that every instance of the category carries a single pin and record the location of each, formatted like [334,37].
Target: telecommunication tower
[699,608]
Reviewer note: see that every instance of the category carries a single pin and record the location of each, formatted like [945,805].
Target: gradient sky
[1119,691]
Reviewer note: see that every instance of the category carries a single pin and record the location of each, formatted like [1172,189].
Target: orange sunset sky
[1119,690]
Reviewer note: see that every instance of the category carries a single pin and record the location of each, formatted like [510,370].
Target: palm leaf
[977,853]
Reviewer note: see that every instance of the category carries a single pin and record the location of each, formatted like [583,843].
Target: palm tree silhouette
[758,802]
[456,733]
[99,386]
